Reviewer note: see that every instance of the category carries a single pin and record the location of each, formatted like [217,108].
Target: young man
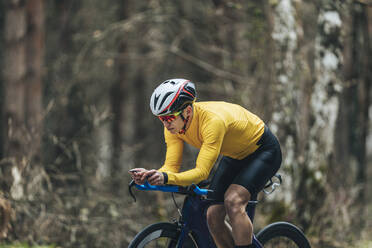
[251,155]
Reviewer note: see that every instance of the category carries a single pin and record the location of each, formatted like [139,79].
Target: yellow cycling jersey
[216,128]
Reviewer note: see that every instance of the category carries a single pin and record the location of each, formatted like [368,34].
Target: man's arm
[213,134]
[173,156]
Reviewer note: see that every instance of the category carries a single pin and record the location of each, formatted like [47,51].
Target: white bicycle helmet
[171,96]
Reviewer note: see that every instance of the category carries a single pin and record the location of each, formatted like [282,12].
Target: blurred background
[75,83]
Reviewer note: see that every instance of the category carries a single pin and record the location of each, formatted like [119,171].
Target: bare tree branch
[208,67]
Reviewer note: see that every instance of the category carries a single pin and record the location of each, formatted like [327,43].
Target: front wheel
[161,235]
[282,234]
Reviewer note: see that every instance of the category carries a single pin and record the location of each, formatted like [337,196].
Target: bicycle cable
[175,203]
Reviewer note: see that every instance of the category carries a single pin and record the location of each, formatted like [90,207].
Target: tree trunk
[140,117]
[14,72]
[268,75]
[119,95]
[22,104]
[363,96]
[308,77]
[33,87]
[350,149]
[2,50]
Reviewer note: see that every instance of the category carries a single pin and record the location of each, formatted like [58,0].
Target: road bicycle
[191,229]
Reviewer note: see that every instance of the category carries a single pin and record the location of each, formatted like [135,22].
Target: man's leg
[236,200]
[219,229]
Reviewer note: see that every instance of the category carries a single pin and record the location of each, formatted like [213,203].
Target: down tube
[194,217]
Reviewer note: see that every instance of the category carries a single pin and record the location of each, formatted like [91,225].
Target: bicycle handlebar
[193,189]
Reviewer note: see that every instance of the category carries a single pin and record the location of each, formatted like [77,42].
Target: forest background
[75,82]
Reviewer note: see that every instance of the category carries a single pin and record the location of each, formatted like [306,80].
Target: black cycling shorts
[252,172]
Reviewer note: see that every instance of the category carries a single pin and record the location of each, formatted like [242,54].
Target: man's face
[173,123]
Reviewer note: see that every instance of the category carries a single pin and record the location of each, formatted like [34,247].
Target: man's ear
[188,109]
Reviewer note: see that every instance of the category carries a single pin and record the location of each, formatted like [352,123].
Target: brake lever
[131,184]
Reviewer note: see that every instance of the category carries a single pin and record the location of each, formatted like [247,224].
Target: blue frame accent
[147,186]
[174,189]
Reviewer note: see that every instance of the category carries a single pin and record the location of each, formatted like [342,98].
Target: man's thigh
[226,172]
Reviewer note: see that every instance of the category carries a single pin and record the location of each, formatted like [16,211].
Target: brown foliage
[5,216]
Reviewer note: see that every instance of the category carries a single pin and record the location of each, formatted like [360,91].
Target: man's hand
[137,174]
[154,177]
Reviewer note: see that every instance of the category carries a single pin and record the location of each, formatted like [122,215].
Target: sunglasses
[169,118]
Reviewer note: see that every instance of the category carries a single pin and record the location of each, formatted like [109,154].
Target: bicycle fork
[256,242]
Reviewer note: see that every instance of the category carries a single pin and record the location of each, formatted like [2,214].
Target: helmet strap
[185,121]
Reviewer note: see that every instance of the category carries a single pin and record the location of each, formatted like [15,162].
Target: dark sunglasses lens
[167,118]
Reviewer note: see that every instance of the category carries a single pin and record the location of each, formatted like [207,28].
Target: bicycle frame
[193,214]
[194,220]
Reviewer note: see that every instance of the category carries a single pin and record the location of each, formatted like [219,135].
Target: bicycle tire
[161,235]
[282,234]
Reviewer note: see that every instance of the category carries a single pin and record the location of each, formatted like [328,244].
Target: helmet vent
[156,99]
[163,100]
[169,82]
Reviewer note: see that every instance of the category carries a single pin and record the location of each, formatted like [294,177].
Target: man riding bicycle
[251,155]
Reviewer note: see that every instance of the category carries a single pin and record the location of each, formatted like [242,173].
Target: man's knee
[215,215]
[232,207]
[236,199]
[235,204]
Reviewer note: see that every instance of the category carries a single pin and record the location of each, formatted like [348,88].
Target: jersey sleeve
[212,134]
[173,157]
